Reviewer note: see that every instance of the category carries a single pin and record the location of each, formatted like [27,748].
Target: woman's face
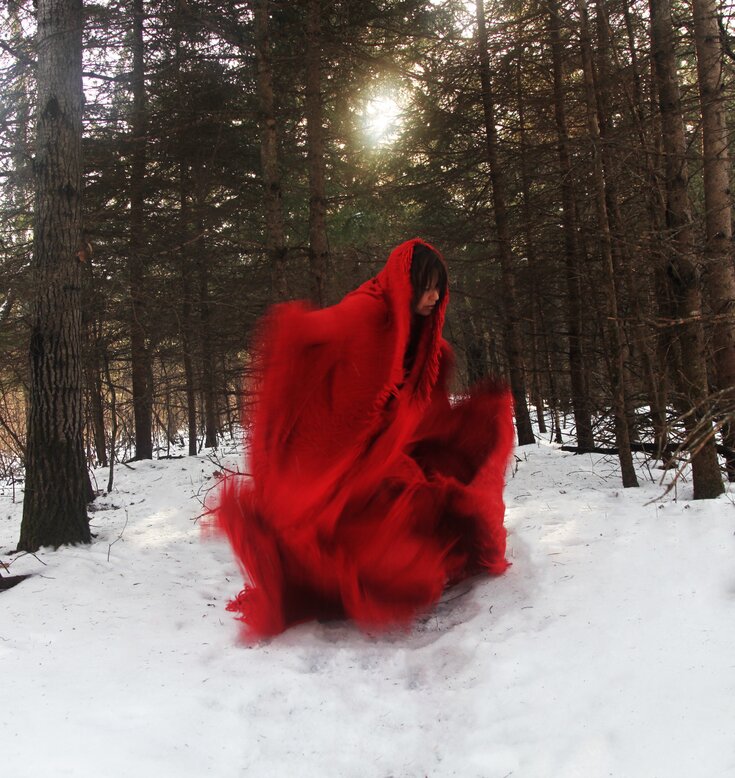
[428,298]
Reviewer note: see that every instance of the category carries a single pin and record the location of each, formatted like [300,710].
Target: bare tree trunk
[682,269]
[497,180]
[614,329]
[187,307]
[188,327]
[113,419]
[554,398]
[92,364]
[719,275]
[208,369]
[611,171]
[318,244]
[472,337]
[139,352]
[537,317]
[54,506]
[652,346]
[94,387]
[272,193]
[580,394]
[655,375]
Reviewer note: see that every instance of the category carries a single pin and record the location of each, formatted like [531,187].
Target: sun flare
[381,118]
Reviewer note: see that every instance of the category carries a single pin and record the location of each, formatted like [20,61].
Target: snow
[605,650]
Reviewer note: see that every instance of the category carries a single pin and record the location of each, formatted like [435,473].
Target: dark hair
[425,266]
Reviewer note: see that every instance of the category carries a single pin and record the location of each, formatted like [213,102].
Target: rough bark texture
[497,180]
[614,329]
[140,356]
[682,269]
[719,274]
[318,245]
[272,192]
[54,506]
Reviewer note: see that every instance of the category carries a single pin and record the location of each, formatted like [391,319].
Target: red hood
[393,285]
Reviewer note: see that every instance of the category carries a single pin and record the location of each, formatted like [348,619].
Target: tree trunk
[113,418]
[621,263]
[615,340]
[209,378]
[54,506]
[554,395]
[652,345]
[94,387]
[682,269]
[497,180]
[537,316]
[719,275]
[202,261]
[92,364]
[187,329]
[139,352]
[187,307]
[318,244]
[272,192]
[472,337]
[580,394]
[22,189]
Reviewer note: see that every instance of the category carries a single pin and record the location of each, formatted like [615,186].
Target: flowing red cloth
[369,491]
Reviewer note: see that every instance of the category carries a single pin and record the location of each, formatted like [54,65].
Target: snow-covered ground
[607,649]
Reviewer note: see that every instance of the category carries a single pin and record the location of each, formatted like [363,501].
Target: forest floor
[607,649]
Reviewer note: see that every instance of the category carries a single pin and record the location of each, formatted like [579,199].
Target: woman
[369,491]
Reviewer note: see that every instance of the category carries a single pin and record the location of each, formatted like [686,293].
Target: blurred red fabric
[370,492]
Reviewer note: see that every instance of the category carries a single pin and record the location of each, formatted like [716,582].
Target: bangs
[427,268]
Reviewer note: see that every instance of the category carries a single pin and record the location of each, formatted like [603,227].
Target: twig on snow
[119,537]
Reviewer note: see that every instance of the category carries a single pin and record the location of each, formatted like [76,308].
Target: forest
[170,170]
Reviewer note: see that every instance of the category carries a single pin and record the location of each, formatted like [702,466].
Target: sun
[381,118]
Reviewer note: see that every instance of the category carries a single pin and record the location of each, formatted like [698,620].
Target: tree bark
[580,394]
[682,269]
[139,352]
[54,506]
[472,337]
[272,191]
[719,275]
[208,369]
[92,365]
[318,244]
[113,419]
[653,346]
[94,387]
[497,180]
[537,314]
[187,329]
[621,261]
[187,307]
[614,329]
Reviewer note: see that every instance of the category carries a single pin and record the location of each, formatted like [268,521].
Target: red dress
[369,491]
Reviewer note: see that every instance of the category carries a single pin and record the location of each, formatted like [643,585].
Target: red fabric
[369,491]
